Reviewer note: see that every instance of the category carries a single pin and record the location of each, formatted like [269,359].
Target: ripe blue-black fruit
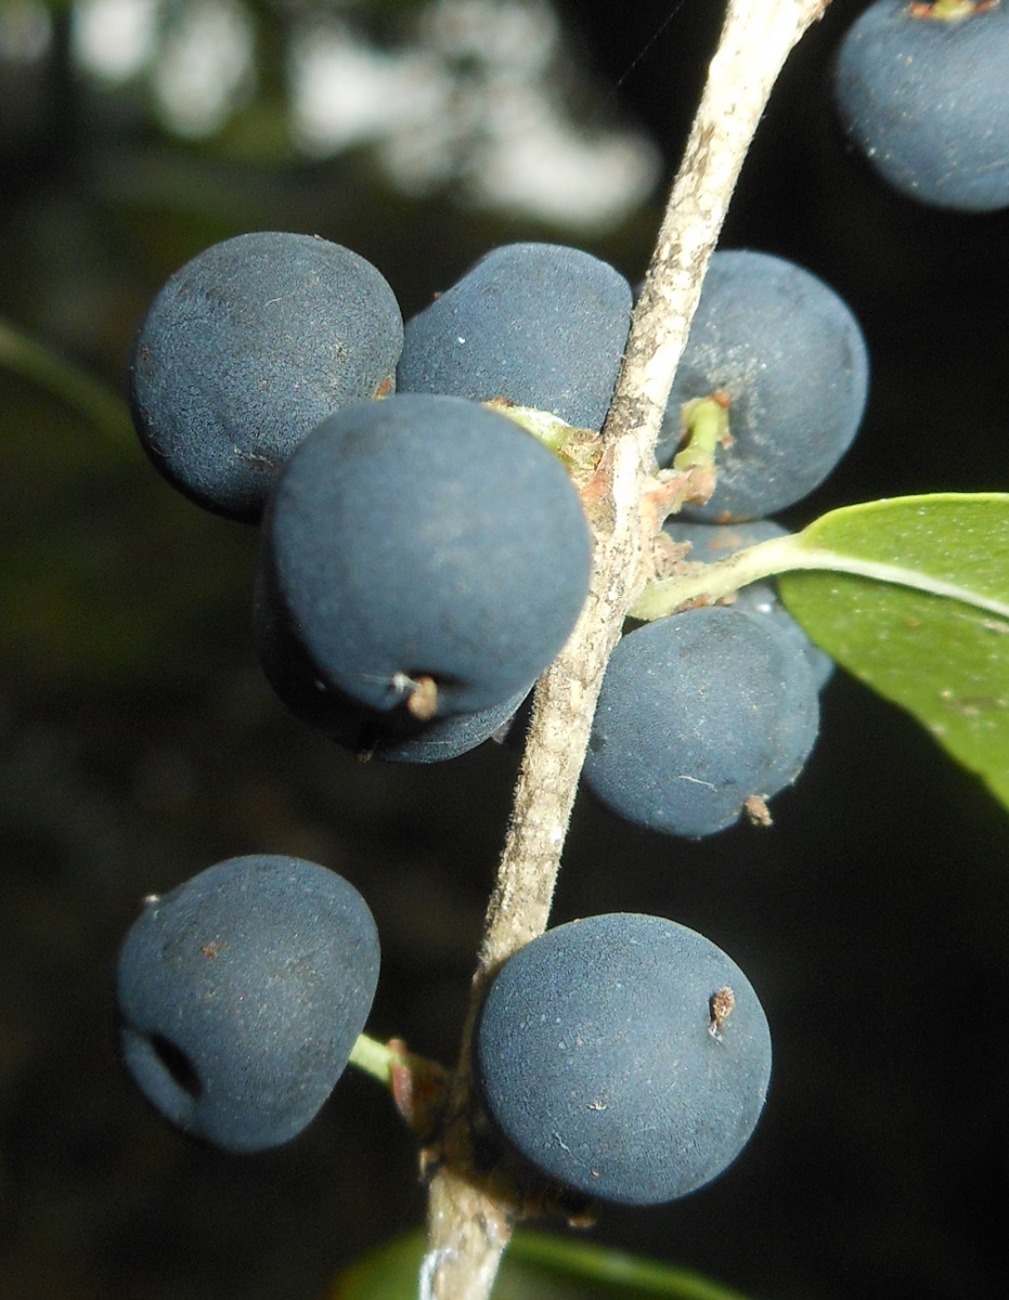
[790,357]
[395,737]
[245,349]
[700,713]
[240,995]
[541,324]
[625,1056]
[922,93]
[420,540]
[712,542]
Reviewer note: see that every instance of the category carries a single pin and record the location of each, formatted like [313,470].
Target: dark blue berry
[420,542]
[243,352]
[923,93]
[699,715]
[540,324]
[241,994]
[624,1056]
[790,357]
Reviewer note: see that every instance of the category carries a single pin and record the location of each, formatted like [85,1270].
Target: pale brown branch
[469,1221]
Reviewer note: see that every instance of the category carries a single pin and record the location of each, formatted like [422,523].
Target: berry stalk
[470,1218]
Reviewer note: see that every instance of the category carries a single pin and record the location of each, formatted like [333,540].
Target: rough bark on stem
[469,1221]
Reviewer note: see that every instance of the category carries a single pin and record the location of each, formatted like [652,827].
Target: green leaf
[537,1266]
[921,613]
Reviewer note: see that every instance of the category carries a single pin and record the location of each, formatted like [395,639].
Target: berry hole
[178,1065]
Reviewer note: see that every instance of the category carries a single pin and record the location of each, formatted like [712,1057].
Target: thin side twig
[470,1218]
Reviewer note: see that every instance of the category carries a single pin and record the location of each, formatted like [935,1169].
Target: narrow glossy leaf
[612,1272]
[68,383]
[921,614]
[537,1266]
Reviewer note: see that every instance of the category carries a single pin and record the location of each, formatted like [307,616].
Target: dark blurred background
[139,742]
